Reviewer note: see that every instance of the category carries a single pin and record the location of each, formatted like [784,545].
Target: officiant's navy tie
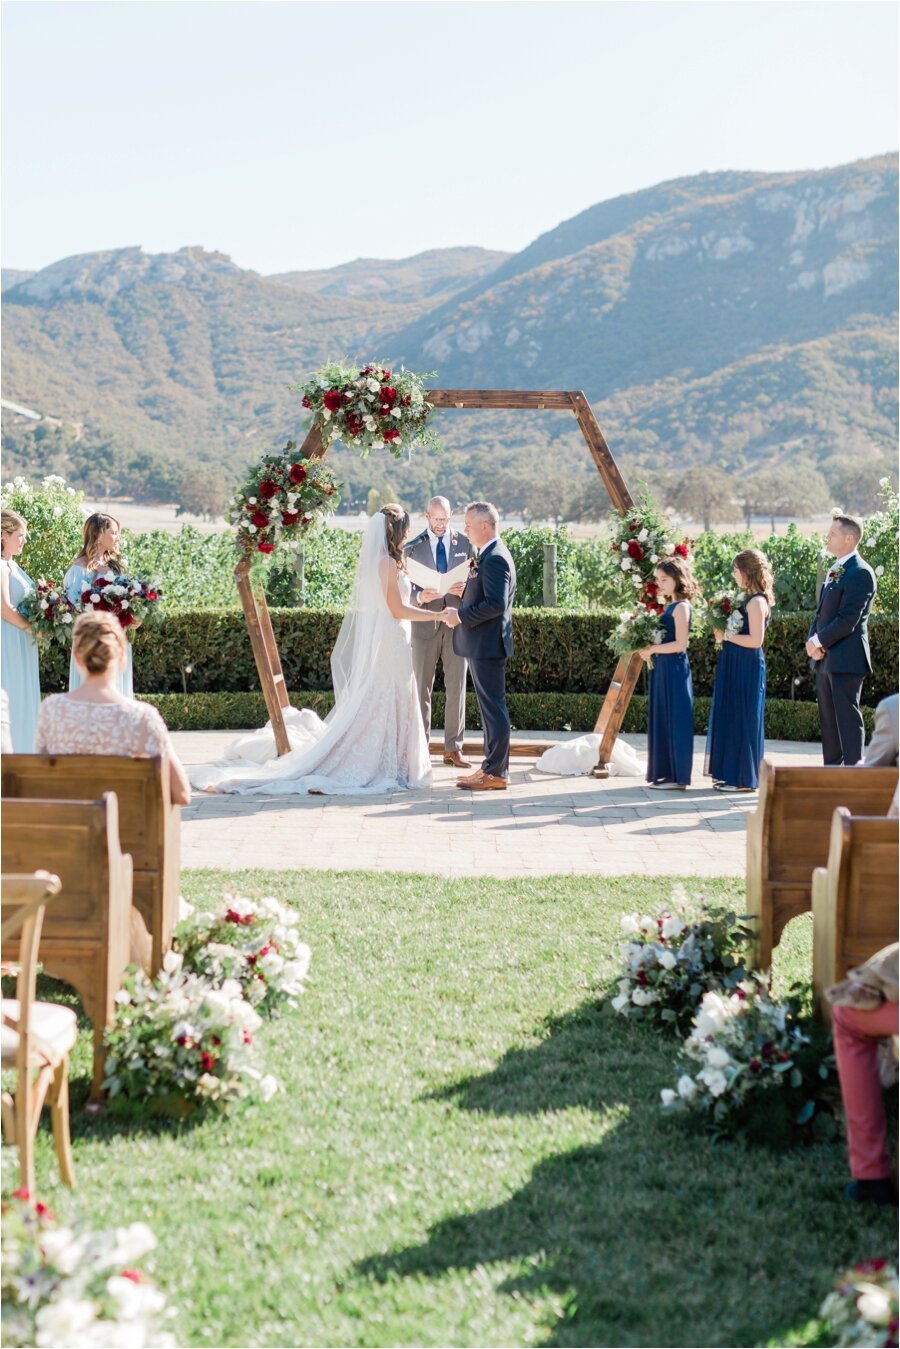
[440,556]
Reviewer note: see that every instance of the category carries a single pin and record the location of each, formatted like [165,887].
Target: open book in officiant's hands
[426,578]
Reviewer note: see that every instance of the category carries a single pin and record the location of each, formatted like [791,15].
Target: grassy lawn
[469,1149]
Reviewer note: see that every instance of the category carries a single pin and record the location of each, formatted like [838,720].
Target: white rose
[67,618]
[397,412]
[667,960]
[251,529]
[712,1015]
[326,414]
[630,924]
[672,926]
[134,1242]
[667,1096]
[717,1057]
[251,501]
[172,962]
[687,1087]
[620,1002]
[654,558]
[874,1306]
[208,1085]
[62,1249]
[44,604]
[643,536]
[879,571]
[643,997]
[647,925]
[715,1081]
[373,386]
[268,1086]
[668,549]
[624,547]
[60,1322]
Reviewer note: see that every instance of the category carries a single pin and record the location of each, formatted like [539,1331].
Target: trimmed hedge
[785,720]
[555,652]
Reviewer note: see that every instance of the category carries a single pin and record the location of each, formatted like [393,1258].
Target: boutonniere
[473,565]
[834,575]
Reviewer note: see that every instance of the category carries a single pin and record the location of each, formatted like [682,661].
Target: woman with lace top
[99,554]
[96,718]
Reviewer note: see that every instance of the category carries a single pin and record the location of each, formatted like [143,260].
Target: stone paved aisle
[542,825]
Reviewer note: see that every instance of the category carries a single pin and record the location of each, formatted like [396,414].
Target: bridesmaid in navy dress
[736,740]
[670,716]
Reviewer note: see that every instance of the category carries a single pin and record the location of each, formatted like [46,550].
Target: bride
[373,739]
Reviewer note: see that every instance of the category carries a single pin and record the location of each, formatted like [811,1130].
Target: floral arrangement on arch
[253,942]
[64,1285]
[50,612]
[672,958]
[370,407]
[178,1042]
[641,538]
[760,1076]
[863,1308]
[280,499]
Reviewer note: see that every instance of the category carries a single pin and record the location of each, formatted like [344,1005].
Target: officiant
[441,549]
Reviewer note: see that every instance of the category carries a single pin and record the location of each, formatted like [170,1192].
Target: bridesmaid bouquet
[723,610]
[50,613]
[635,629]
[131,601]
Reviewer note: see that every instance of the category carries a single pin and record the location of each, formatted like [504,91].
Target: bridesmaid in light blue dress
[99,553]
[19,672]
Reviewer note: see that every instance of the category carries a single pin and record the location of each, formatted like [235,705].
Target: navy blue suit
[484,636]
[841,627]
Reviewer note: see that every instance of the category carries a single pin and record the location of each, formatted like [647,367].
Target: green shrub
[785,720]
[555,652]
[55,524]
[195,571]
[526,547]
[879,546]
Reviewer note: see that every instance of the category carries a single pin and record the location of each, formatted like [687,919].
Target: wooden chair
[85,936]
[37,1037]
[788,835]
[854,898]
[149,824]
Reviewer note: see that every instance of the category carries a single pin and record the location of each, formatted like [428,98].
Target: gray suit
[882,751]
[434,641]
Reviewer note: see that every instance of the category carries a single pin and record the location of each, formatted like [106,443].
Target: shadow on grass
[653,1235]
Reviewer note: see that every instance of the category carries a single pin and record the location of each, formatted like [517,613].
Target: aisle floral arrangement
[280,499]
[636,628]
[369,408]
[863,1307]
[50,613]
[132,601]
[253,942]
[178,1042]
[672,959]
[760,1076]
[69,1286]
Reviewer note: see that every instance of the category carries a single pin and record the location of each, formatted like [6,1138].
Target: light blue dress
[75,582]
[19,673]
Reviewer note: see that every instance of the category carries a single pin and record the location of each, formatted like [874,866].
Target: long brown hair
[396,528]
[94,526]
[754,566]
[686,587]
[98,641]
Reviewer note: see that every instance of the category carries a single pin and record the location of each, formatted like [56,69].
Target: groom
[838,643]
[483,634]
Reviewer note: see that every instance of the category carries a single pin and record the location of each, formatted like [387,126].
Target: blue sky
[294,135]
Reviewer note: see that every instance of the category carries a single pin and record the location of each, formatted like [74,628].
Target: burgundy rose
[242,919]
[126,619]
[768,1051]
[307,519]
[290,517]
[641,978]
[247,1037]
[681,549]
[870,1266]
[388,397]
[304,402]
[152,595]
[268,489]
[297,474]
[332,400]
[390,435]
[633,525]
[755,1066]
[133,1274]
[651,588]
[406,400]
[355,425]
[208,1061]
[385,375]
[726,606]
[635,550]
[265,548]
[260,519]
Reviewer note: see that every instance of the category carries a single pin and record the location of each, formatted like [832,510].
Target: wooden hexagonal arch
[259,625]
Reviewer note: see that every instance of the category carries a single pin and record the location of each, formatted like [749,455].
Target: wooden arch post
[618,695]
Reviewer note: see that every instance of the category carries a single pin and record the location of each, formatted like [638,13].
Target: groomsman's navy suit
[840,625]
[484,636]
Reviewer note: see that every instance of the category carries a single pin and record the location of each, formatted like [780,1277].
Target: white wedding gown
[373,740]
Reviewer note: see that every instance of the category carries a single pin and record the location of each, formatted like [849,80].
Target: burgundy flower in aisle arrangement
[370,407]
[280,499]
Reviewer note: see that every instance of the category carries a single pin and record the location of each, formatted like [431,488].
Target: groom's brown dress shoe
[486,783]
[456,760]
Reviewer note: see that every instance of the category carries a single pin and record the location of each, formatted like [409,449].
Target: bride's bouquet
[50,612]
[636,629]
[132,601]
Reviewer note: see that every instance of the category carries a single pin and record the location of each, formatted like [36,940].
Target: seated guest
[96,718]
[865,1013]
[883,747]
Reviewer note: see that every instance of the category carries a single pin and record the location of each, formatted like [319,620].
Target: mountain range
[730,318]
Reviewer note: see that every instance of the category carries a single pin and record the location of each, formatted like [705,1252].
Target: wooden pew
[854,898]
[85,937]
[788,836]
[149,824]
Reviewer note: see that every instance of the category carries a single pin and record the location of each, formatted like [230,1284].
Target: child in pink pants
[856,1036]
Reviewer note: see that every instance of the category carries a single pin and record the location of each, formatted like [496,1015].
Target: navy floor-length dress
[670,717]
[736,740]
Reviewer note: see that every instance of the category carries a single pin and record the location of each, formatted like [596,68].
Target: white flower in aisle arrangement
[254,942]
[863,1307]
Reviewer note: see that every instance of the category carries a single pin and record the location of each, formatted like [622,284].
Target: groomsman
[442,548]
[838,643]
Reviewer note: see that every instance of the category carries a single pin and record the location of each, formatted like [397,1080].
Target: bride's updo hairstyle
[396,528]
[98,642]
